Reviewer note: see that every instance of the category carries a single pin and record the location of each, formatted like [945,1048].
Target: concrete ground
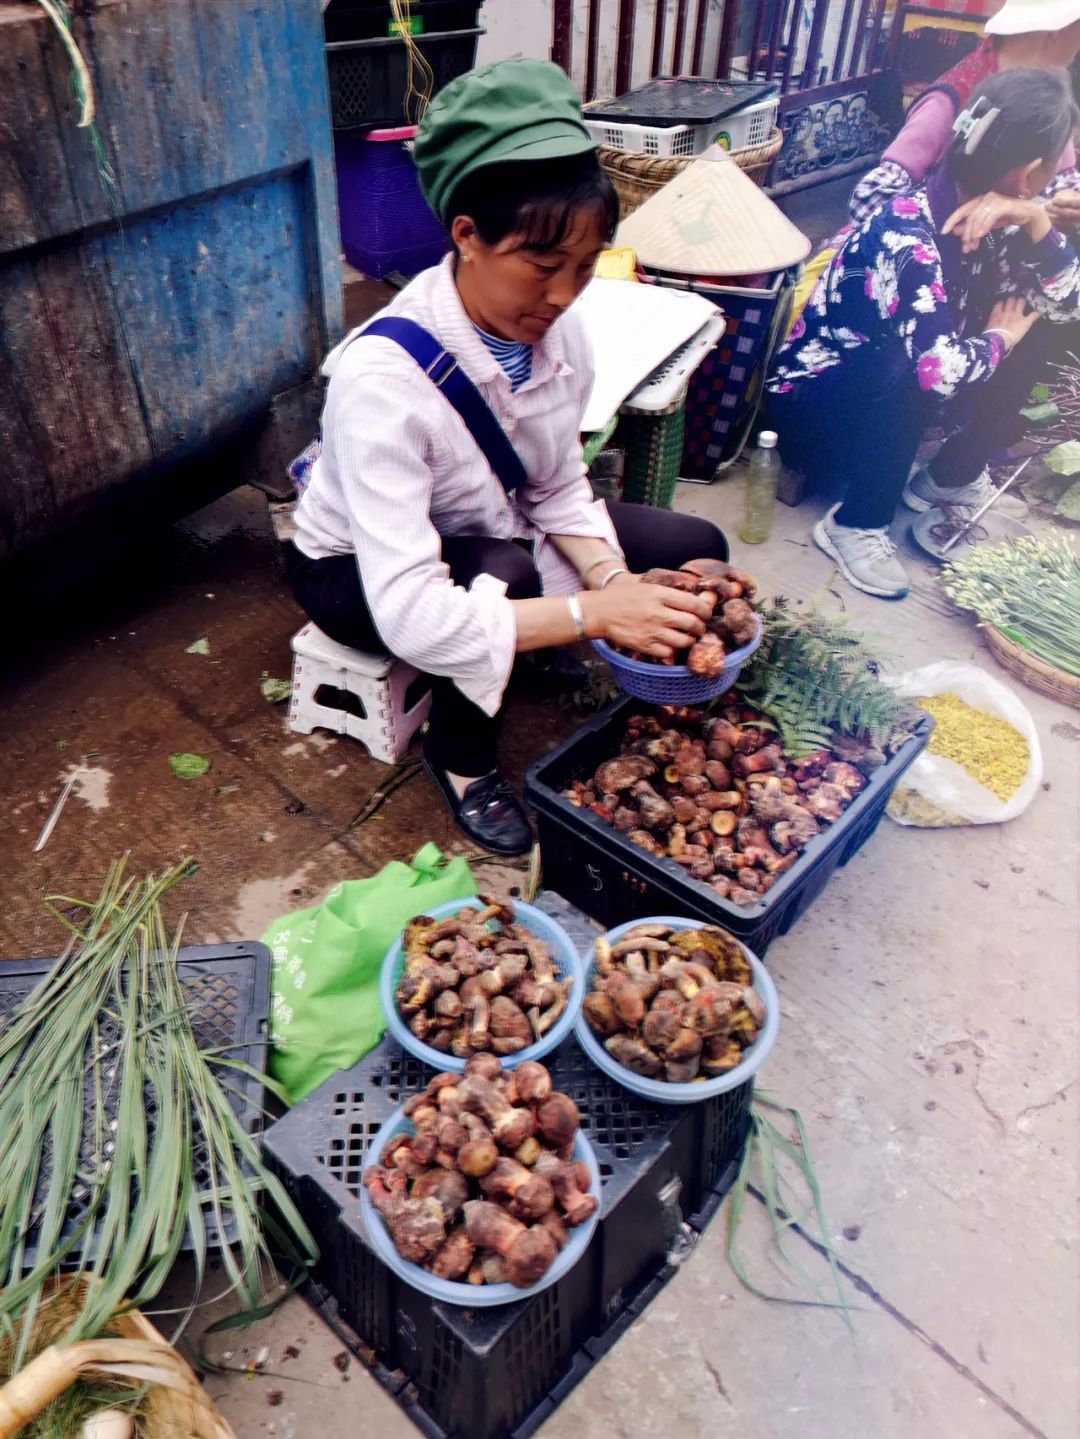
[928,1000]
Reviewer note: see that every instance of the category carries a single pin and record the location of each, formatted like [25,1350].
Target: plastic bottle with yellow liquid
[761,485]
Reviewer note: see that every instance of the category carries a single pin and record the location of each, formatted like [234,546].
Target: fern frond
[816,677]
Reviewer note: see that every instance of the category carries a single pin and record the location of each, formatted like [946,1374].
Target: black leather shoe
[487,811]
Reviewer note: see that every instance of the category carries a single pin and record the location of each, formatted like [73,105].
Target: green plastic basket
[653,443]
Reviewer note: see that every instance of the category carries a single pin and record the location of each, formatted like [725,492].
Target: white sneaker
[922,493]
[866,558]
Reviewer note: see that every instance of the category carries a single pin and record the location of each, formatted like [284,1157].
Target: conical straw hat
[713,220]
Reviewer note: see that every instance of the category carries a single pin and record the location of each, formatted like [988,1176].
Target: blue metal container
[165,275]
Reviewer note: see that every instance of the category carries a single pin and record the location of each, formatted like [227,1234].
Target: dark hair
[536,199]
[1036,115]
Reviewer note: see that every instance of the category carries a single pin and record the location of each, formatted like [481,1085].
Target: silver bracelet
[573,604]
[610,558]
[1006,339]
[615,570]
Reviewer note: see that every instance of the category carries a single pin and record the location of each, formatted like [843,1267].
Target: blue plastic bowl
[674,684]
[472,1296]
[659,1090]
[563,952]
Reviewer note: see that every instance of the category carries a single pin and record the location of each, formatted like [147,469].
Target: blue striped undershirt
[513,355]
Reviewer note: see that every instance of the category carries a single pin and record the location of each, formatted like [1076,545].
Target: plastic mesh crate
[373,19]
[742,130]
[386,224]
[492,1373]
[228,994]
[368,78]
[683,100]
[654,447]
[614,880]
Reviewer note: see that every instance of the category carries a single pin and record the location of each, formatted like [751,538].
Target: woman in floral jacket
[909,316]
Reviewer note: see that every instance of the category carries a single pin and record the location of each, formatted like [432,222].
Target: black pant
[462,738]
[993,421]
[863,423]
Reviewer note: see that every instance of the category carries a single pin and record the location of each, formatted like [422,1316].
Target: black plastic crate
[485,1374]
[368,78]
[228,993]
[614,880]
[682,100]
[374,19]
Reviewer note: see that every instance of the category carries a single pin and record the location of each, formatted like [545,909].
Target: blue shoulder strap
[444,372]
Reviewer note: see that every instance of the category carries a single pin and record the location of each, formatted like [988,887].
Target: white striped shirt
[399,469]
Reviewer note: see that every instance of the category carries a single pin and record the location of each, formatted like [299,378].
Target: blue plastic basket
[674,684]
[386,224]
[659,1090]
[472,1296]
[563,953]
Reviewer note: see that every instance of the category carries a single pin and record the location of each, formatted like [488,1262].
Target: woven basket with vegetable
[1027,594]
[126,1382]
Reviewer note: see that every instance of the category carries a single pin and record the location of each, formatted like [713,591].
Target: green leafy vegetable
[1041,414]
[781,1165]
[1069,504]
[1064,459]
[815,677]
[186,765]
[1029,589]
[108,1106]
[275,691]
[200,647]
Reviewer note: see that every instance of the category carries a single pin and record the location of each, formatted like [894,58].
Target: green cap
[512,110]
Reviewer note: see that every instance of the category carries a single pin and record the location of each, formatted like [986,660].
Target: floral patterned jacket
[897,281]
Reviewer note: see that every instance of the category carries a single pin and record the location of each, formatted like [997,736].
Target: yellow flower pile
[987,747]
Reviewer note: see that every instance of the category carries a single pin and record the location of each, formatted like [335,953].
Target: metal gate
[833,61]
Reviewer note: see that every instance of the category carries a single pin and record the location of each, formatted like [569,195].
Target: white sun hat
[1025,17]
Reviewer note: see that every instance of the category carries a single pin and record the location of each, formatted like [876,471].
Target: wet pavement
[928,1004]
[271,824]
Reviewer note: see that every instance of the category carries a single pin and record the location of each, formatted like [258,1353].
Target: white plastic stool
[380,682]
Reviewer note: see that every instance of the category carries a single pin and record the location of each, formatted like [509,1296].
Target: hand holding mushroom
[728,617]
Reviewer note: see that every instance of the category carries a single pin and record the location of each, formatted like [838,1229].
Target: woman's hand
[975,219]
[1008,316]
[651,619]
[1063,210]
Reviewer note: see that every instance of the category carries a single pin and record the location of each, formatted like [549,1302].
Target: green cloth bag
[324,1010]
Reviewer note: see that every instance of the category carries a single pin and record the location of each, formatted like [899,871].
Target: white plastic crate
[740,131]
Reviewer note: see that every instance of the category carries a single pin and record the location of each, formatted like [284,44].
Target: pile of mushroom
[478,982]
[716,795]
[730,627]
[674,1004]
[486,1187]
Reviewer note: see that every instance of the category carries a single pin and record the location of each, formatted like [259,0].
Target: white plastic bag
[937,792]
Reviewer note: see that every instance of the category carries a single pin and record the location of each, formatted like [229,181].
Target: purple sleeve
[924,137]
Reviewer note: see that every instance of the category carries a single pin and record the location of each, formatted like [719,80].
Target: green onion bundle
[109,1107]
[1030,590]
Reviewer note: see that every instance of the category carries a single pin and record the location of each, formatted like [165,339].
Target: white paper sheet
[633,329]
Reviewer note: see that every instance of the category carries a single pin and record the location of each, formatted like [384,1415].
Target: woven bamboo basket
[1045,678]
[176,1406]
[638,177]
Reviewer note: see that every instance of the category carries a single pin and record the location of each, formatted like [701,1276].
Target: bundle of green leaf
[1029,589]
[117,1134]
[817,680]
